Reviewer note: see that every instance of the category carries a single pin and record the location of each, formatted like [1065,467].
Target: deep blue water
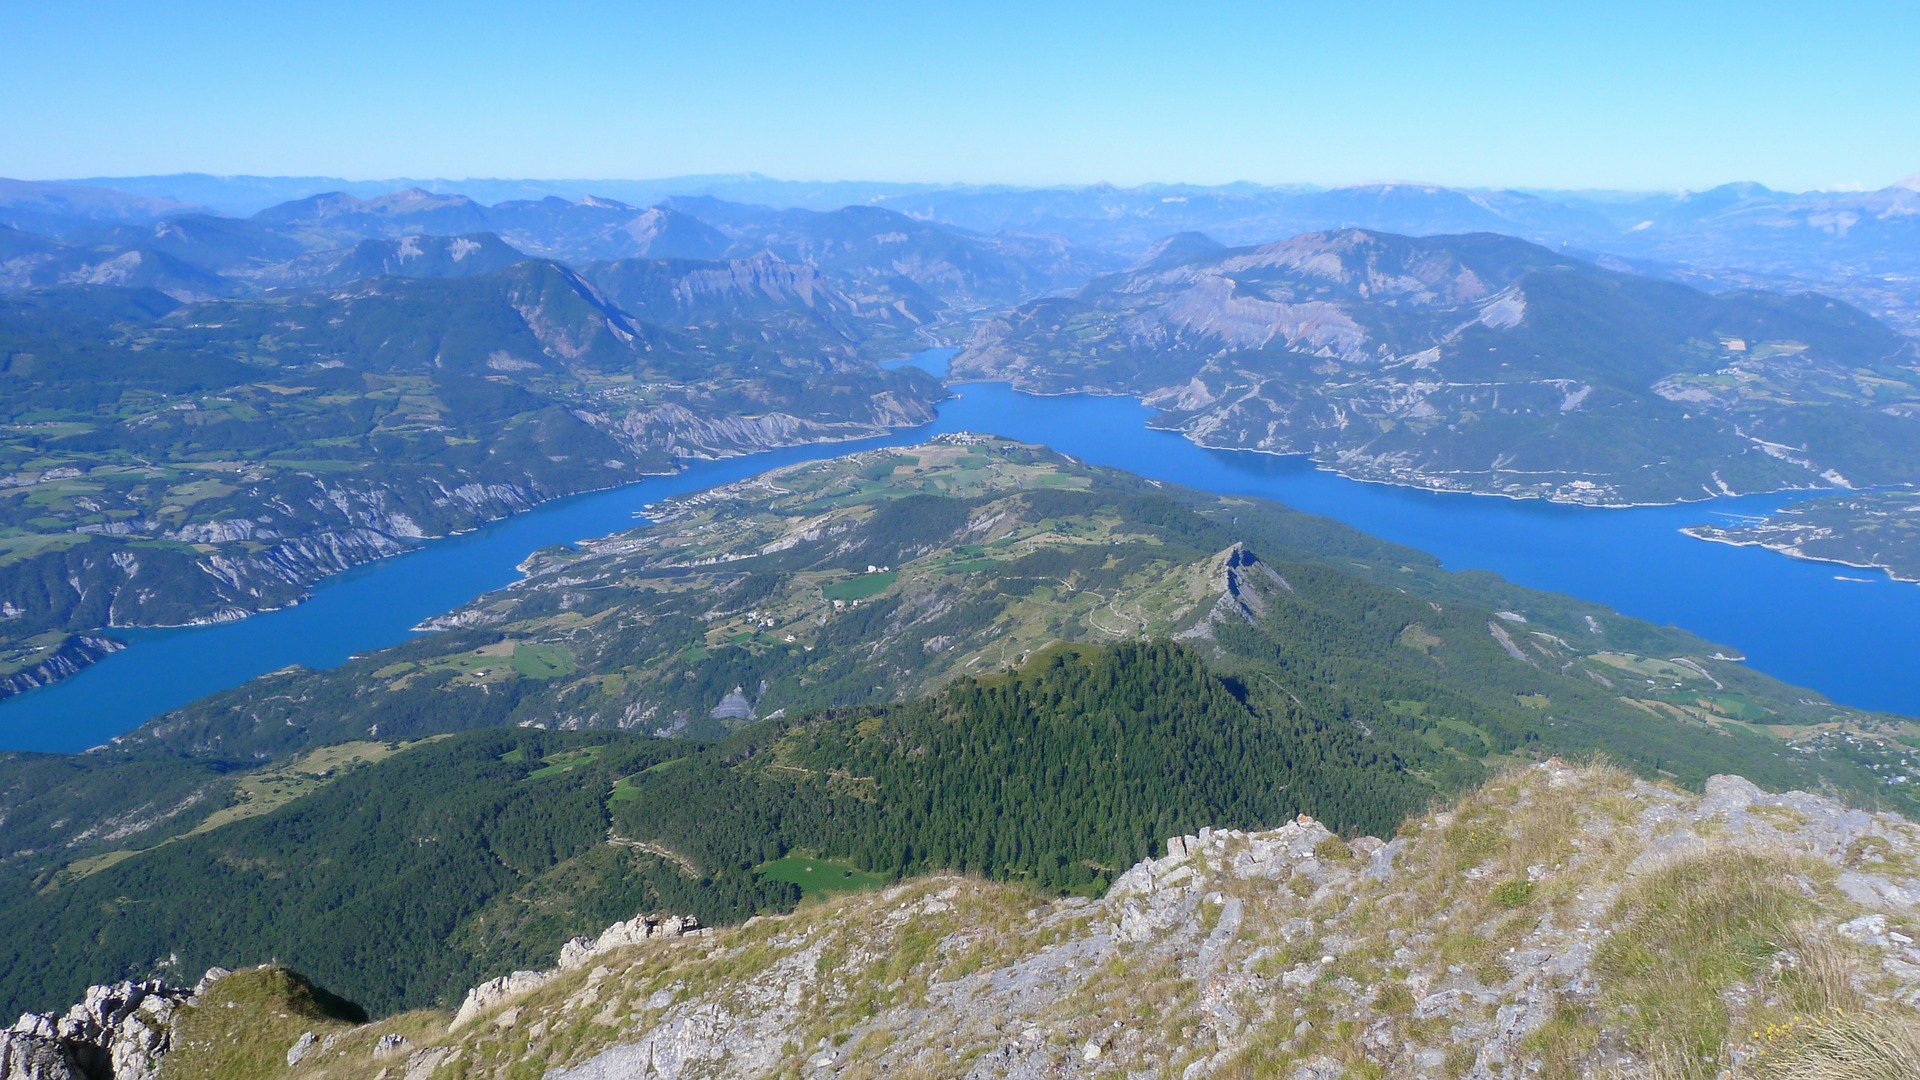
[1800,621]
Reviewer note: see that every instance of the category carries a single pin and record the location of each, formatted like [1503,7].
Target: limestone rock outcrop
[117,1032]
[574,954]
[1488,939]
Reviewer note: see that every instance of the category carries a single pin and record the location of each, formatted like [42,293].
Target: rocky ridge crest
[1493,939]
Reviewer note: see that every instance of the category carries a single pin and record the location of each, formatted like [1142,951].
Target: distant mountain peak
[1911,183]
[411,199]
[1178,248]
[1740,189]
[1385,186]
[599,203]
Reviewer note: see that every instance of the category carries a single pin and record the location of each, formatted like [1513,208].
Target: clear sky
[1547,93]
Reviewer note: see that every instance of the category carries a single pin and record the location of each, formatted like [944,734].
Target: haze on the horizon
[1626,95]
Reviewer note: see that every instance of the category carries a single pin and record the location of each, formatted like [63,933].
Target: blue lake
[1800,621]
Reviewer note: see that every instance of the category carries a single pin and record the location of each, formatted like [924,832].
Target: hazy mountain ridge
[1858,245]
[871,245]
[409,256]
[594,229]
[869,250]
[56,208]
[243,195]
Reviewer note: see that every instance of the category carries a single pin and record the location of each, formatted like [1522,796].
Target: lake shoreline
[1793,551]
[1309,457]
[415,544]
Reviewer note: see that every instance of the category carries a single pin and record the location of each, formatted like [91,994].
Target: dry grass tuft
[1838,1046]
[1822,972]
[1685,934]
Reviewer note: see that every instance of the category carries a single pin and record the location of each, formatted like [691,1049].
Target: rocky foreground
[1560,922]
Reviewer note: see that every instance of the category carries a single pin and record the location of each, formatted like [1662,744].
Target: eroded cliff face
[1560,922]
[674,429]
[57,661]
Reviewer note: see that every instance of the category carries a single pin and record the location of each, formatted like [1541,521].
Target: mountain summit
[1558,922]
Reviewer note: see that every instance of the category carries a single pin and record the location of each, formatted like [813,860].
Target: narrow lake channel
[1848,633]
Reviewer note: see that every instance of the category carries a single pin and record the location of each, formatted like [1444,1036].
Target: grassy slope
[405,880]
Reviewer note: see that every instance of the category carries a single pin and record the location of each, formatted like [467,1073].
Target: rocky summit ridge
[1560,921]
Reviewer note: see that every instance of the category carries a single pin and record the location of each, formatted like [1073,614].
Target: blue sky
[1545,94]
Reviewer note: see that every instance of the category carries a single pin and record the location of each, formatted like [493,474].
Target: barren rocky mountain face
[765,299]
[1558,922]
[1480,363]
[408,256]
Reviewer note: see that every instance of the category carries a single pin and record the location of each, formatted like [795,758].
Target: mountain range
[1858,245]
[194,255]
[1466,361]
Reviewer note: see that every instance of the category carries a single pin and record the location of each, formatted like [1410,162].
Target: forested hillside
[401,882]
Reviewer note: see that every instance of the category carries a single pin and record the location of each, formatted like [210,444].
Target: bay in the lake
[1809,623]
